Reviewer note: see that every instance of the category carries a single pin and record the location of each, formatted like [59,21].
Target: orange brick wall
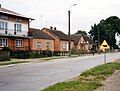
[56,40]
[43,44]
[58,44]
[12,44]
[63,45]
[62,42]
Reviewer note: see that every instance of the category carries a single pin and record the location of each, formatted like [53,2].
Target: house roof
[38,34]
[59,34]
[76,38]
[88,39]
[9,12]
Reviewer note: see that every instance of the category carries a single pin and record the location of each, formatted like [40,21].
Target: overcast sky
[55,12]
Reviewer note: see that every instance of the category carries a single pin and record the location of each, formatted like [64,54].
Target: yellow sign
[104,46]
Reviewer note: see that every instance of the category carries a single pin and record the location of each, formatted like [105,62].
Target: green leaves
[107,30]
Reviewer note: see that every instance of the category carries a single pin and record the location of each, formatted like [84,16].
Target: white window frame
[39,45]
[19,43]
[3,25]
[17,27]
[4,43]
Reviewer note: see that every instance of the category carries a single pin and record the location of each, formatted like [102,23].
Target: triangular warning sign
[104,46]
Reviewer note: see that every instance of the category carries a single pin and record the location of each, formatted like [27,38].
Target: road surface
[36,76]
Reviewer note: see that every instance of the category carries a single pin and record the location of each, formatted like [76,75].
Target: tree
[106,30]
[81,32]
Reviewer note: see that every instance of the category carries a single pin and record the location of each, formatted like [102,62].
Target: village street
[36,76]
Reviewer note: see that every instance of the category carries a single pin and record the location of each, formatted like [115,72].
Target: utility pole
[69,43]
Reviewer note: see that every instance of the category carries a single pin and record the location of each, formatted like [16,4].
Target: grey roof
[76,38]
[59,34]
[88,39]
[9,12]
[38,34]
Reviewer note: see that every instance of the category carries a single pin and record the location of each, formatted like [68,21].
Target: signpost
[104,46]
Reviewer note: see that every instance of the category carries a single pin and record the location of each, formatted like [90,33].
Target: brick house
[14,30]
[40,41]
[82,42]
[60,39]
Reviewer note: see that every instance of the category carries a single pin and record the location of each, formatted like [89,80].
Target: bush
[21,55]
[6,48]
[39,54]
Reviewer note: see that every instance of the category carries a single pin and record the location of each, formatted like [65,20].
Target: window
[3,42]
[48,45]
[19,43]
[18,27]
[64,46]
[3,25]
[38,44]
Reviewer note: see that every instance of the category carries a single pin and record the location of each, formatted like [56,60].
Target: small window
[3,25]
[19,43]
[3,42]
[39,45]
[18,27]
[48,45]
[64,46]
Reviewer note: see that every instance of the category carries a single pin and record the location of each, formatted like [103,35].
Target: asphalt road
[36,76]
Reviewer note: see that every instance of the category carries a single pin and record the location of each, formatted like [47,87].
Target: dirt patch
[118,60]
[112,83]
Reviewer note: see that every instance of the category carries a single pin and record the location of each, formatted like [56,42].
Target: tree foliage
[106,30]
[81,32]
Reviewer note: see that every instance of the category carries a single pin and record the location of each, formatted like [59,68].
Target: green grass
[73,86]
[88,80]
[12,62]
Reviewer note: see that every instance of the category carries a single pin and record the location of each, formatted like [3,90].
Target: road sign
[104,46]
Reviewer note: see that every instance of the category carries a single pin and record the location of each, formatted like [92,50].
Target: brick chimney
[51,27]
[55,28]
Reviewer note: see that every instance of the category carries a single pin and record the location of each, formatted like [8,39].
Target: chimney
[55,28]
[51,27]
[0,5]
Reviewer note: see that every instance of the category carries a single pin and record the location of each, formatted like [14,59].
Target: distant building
[60,39]
[82,42]
[40,41]
[14,30]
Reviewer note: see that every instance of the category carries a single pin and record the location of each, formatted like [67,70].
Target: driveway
[36,76]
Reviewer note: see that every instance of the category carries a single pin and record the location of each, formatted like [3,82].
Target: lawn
[88,80]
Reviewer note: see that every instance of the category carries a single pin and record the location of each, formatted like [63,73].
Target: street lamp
[69,47]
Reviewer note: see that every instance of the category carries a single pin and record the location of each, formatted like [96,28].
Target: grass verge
[54,57]
[12,62]
[88,80]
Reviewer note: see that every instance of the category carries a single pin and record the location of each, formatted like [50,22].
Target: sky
[55,12]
